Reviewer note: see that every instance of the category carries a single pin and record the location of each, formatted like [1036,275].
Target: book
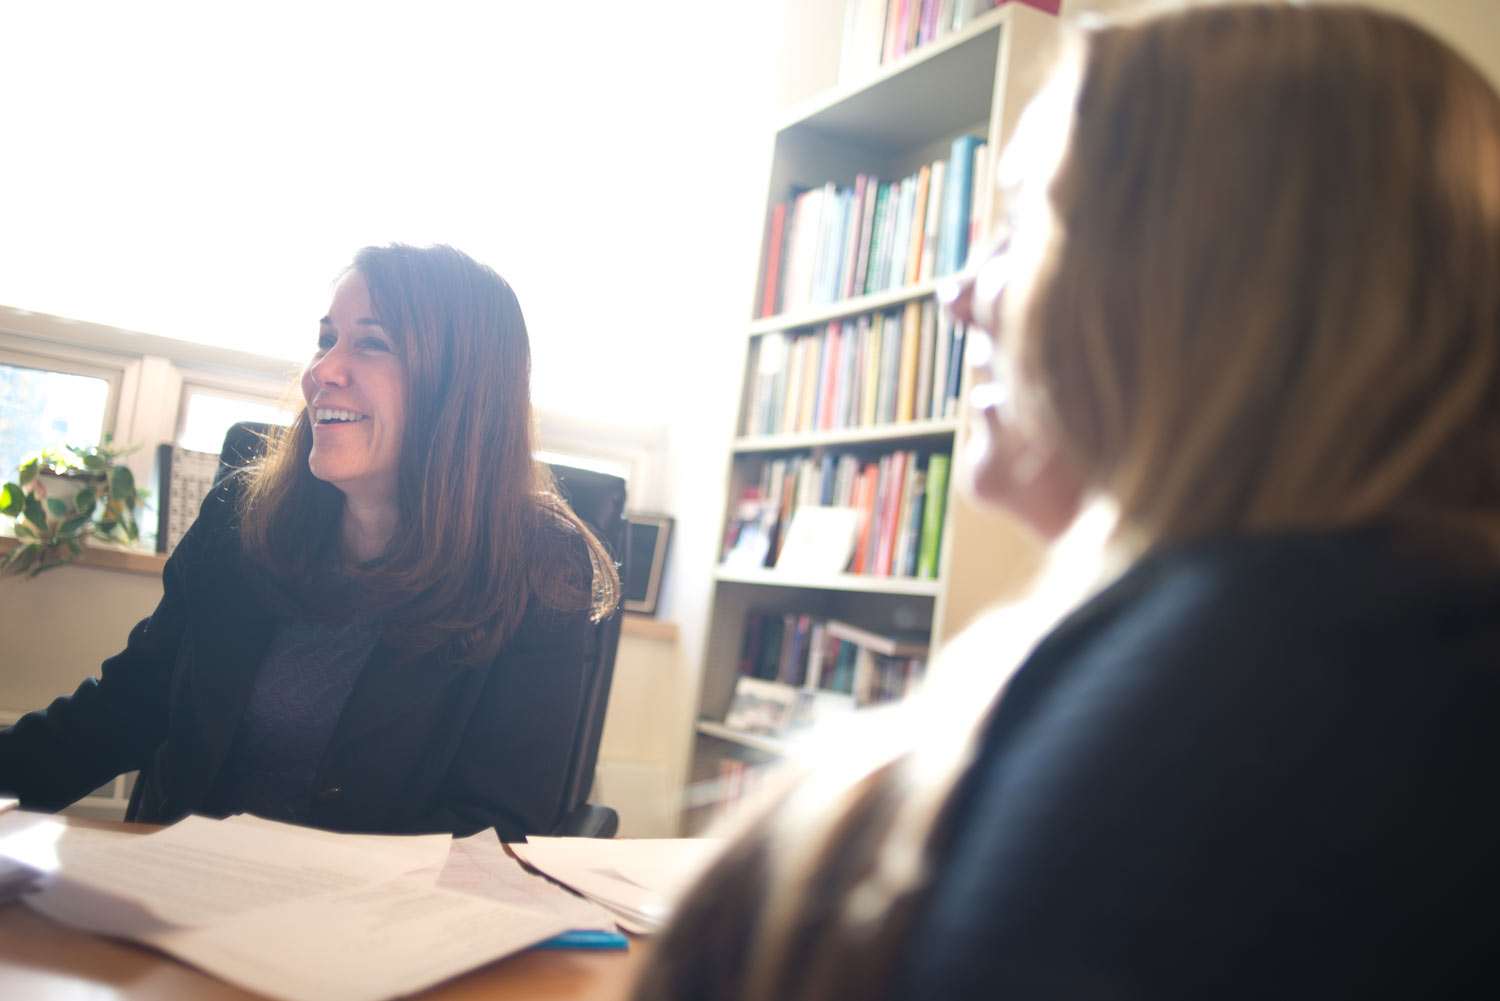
[890,643]
[933,513]
[922,406]
[853,230]
[867,223]
[771,273]
[911,532]
[933,219]
[906,373]
[918,226]
[877,232]
[889,511]
[957,205]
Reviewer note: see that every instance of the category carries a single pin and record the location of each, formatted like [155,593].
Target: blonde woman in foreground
[1251,314]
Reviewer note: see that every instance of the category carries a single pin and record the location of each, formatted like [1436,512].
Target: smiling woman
[382,626]
[357,406]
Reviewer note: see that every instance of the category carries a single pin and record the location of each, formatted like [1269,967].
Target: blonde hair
[1272,295]
[1269,300]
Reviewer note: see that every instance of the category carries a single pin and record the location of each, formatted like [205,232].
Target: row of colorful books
[828,244]
[899,503]
[880,368]
[877,32]
[804,651]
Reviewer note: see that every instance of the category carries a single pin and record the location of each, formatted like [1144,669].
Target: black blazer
[423,744]
[1252,768]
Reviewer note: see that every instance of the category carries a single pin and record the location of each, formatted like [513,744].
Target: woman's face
[1006,463]
[356,399]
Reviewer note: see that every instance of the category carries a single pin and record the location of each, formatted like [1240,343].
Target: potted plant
[63,496]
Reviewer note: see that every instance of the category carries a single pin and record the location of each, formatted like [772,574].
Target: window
[207,415]
[41,407]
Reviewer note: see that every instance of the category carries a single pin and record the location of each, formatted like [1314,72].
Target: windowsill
[125,561]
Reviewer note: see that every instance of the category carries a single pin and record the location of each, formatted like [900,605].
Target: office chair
[599,500]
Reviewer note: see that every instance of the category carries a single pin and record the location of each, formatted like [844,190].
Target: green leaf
[29,469]
[84,500]
[35,513]
[75,547]
[23,531]
[12,500]
[72,527]
[122,484]
[93,463]
[56,508]
[29,555]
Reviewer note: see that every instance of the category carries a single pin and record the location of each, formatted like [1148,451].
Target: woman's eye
[325,341]
[374,344]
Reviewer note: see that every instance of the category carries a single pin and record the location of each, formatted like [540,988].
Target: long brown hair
[482,529]
[1270,300]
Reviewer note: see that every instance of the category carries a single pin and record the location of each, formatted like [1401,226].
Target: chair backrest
[599,500]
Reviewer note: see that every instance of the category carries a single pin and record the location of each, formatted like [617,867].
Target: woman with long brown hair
[381,627]
[1246,332]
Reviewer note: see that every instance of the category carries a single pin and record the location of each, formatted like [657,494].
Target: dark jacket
[1254,768]
[423,744]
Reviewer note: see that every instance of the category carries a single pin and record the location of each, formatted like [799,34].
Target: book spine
[911,539]
[955,369]
[867,222]
[888,236]
[864,499]
[811,373]
[770,274]
[957,200]
[980,197]
[922,407]
[794,241]
[774,349]
[906,384]
[940,365]
[933,516]
[933,220]
[890,510]
[918,226]
[882,203]
[870,401]
[852,231]
[786,420]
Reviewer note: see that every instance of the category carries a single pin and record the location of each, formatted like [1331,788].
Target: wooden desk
[41,960]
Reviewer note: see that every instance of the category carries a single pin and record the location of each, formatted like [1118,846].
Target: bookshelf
[832,383]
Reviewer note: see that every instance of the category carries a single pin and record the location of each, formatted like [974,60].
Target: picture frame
[647,536]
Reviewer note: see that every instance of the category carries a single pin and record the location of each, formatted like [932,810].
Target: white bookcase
[975,81]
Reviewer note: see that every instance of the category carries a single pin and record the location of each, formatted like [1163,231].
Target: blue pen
[586,940]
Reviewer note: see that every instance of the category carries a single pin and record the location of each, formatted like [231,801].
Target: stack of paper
[305,915]
[635,880]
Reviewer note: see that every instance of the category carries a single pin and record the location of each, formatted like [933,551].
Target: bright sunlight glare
[202,171]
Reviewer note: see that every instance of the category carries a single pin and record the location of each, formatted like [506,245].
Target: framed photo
[648,535]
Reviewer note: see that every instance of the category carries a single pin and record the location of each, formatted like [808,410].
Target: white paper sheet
[636,879]
[480,867]
[367,944]
[199,871]
[29,843]
[288,913]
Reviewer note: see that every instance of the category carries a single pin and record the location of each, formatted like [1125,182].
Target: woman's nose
[330,370]
[957,296]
